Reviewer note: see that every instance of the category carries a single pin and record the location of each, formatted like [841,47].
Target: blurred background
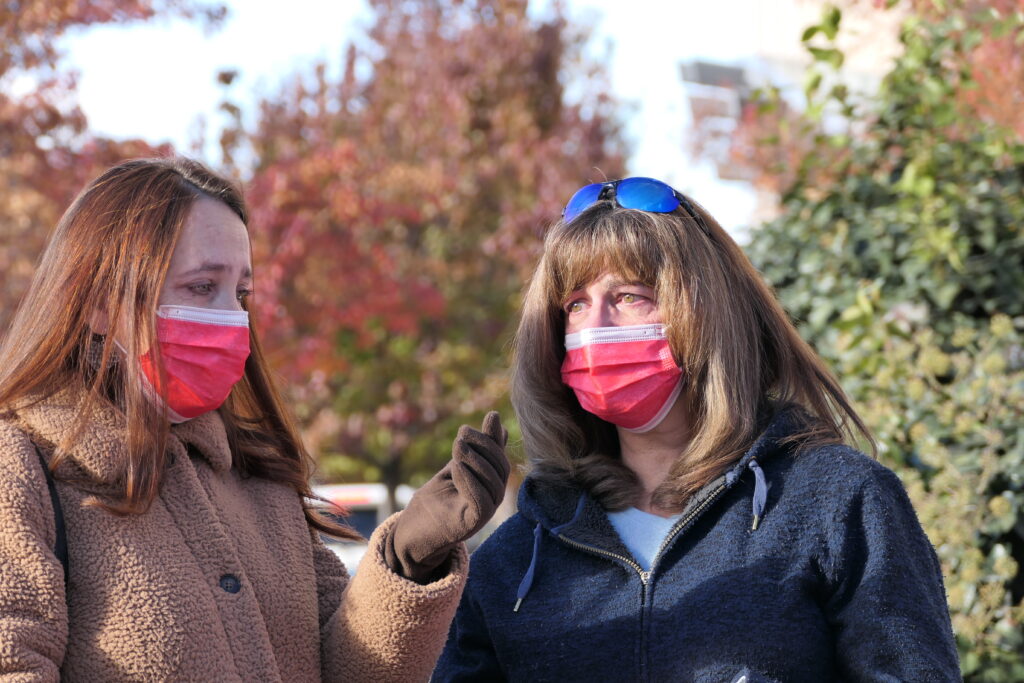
[403,159]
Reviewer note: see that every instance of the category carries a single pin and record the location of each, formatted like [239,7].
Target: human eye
[201,288]
[631,298]
[574,306]
[243,293]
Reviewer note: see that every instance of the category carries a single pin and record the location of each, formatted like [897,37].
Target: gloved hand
[453,505]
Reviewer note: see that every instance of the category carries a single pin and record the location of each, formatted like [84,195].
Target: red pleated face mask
[203,351]
[624,375]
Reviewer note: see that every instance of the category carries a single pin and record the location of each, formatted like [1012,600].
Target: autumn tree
[898,250]
[47,153]
[397,210]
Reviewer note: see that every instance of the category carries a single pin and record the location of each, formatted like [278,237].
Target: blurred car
[366,506]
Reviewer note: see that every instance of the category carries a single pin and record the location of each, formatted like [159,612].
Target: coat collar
[559,505]
[206,435]
[100,443]
[573,515]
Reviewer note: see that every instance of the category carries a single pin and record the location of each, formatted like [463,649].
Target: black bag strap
[61,546]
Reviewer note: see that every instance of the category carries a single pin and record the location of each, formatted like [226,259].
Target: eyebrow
[613,284]
[210,267]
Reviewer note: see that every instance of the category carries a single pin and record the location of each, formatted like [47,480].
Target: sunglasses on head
[643,194]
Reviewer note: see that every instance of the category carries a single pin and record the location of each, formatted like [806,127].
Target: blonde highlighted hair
[109,254]
[740,354]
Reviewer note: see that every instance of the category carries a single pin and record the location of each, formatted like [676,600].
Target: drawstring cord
[527,583]
[760,493]
[538,531]
[759,502]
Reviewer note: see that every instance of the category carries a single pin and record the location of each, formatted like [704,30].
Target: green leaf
[812,81]
[974,37]
[829,55]
[830,21]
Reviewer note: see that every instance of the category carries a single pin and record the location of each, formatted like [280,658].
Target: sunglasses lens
[584,197]
[646,194]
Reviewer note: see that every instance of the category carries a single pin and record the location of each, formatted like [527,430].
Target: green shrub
[906,271]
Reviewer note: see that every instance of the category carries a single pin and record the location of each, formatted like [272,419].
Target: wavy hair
[110,254]
[740,354]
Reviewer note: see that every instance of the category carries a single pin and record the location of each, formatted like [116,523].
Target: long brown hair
[739,352]
[109,255]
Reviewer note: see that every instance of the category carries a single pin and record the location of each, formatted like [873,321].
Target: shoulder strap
[61,547]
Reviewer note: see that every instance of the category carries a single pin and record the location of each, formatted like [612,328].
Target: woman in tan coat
[134,395]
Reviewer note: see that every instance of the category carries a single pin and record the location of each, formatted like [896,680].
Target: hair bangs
[603,239]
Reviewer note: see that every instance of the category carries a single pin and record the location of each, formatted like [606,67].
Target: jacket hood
[558,505]
[568,511]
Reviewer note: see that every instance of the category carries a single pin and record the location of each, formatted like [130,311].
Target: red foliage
[396,216]
[997,66]
[417,180]
[46,152]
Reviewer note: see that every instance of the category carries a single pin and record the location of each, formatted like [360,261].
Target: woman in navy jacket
[691,513]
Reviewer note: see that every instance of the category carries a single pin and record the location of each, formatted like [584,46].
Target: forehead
[212,233]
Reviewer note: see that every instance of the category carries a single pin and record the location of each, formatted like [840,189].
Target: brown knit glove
[453,505]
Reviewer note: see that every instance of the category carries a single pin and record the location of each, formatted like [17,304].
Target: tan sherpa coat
[221,580]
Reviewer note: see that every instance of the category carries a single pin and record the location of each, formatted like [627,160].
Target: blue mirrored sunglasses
[644,194]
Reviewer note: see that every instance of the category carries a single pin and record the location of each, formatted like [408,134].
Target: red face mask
[203,351]
[624,375]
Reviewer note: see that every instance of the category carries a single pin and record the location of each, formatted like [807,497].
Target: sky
[168,92]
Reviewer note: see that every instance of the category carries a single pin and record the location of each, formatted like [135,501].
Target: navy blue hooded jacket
[837,581]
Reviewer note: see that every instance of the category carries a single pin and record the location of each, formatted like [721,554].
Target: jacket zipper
[685,522]
[645,576]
